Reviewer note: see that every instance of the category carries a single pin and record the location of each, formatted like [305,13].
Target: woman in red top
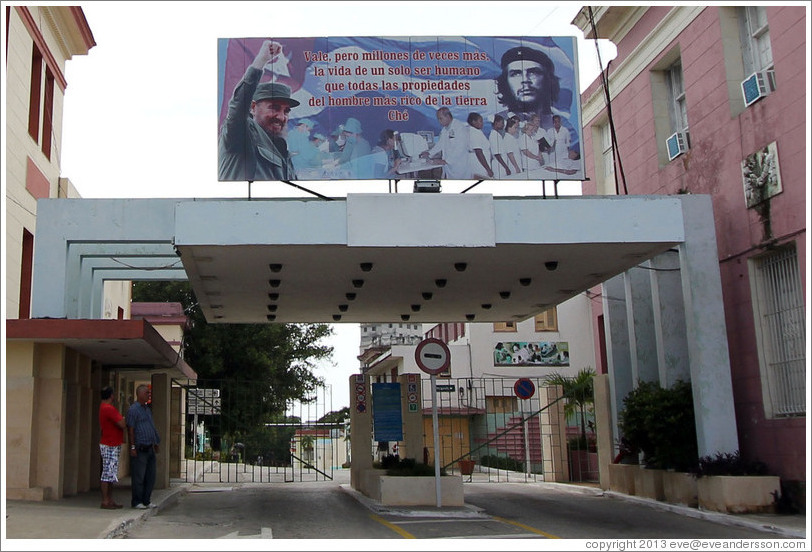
[112,436]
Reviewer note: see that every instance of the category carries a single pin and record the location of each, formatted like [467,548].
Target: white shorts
[109,457]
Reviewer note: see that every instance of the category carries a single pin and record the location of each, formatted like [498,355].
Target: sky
[140,110]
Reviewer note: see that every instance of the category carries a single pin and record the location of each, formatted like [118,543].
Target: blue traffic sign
[524,388]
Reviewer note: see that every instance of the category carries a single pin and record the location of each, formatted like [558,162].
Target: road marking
[511,536]
[264,533]
[436,520]
[525,527]
[403,533]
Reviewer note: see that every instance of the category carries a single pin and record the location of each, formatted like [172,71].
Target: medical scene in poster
[524,353]
[355,108]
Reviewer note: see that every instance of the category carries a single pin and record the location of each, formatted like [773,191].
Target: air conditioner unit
[676,144]
[757,86]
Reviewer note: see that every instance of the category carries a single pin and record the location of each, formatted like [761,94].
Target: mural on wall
[760,175]
[524,353]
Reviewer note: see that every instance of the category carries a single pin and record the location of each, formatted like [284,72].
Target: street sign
[360,394]
[432,356]
[524,388]
[446,388]
[203,401]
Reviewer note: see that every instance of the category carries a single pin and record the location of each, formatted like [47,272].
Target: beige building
[40,41]
[476,396]
[55,368]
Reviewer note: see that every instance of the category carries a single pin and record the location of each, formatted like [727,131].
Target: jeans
[142,468]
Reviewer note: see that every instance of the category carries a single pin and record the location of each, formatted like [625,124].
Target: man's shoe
[140,507]
[152,505]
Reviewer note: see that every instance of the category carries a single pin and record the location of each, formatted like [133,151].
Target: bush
[406,467]
[660,423]
[501,462]
[391,461]
[728,464]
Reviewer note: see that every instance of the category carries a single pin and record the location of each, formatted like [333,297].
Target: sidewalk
[80,517]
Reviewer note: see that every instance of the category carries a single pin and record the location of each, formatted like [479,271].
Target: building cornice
[71,30]
[665,32]
[614,21]
[39,40]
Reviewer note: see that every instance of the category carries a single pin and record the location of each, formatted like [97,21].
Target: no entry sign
[432,356]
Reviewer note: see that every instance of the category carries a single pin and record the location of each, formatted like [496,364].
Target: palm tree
[578,391]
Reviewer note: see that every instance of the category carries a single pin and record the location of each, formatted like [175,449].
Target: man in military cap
[252,142]
[528,84]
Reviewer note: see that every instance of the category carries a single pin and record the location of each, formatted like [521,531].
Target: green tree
[337,417]
[578,391]
[266,365]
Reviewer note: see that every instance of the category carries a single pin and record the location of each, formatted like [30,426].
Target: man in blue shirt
[144,441]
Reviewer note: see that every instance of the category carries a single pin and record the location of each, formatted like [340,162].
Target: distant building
[389,333]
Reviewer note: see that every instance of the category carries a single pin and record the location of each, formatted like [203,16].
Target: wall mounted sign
[761,177]
[524,353]
[387,421]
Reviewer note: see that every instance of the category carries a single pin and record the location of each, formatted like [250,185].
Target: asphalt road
[569,515]
[323,510]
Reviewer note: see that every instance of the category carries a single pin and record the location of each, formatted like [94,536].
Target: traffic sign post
[524,389]
[433,357]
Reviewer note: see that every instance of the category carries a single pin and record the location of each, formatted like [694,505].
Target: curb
[717,517]
[119,529]
[464,512]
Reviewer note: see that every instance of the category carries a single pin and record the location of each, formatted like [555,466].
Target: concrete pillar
[640,313]
[70,466]
[706,330]
[96,379]
[124,388]
[618,353]
[48,450]
[20,431]
[176,428]
[669,319]
[603,427]
[361,423]
[412,417]
[87,447]
[553,428]
[161,401]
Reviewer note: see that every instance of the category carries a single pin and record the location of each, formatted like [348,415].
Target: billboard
[363,108]
[523,353]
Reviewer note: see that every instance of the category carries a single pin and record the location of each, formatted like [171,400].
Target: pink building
[712,100]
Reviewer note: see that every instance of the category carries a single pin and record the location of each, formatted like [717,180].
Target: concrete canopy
[363,258]
[416,258]
[125,344]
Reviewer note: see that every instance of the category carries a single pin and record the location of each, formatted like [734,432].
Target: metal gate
[508,438]
[230,433]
